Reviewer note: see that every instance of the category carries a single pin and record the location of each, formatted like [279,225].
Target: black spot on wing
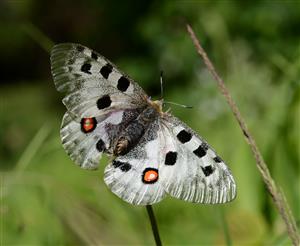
[171,158]
[123,84]
[86,68]
[116,164]
[100,146]
[94,55]
[124,166]
[217,159]
[201,150]
[104,102]
[208,170]
[106,70]
[184,136]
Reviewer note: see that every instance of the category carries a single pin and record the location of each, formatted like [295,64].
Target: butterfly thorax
[136,129]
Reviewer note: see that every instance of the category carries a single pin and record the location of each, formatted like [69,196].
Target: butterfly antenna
[178,104]
[161,85]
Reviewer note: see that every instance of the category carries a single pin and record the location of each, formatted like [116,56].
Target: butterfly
[153,154]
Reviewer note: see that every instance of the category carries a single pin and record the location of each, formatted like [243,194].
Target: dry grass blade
[39,37]
[32,148]
[276,194]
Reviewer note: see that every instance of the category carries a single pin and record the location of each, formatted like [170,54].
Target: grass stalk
[32,148]
[276,194]
[225,228]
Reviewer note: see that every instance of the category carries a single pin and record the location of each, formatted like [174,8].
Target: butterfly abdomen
[134,131]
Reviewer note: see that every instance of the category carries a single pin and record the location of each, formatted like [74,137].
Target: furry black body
[135,130]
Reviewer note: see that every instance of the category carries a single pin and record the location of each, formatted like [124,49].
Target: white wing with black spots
[80,147]
[93,85]
[134,177]
[191,170]
[85,140]
[184,166]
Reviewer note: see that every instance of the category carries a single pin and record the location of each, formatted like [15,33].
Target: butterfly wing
[86,140]
[180,162]
[191,170]
[92,84]
[100,101]
[134,177]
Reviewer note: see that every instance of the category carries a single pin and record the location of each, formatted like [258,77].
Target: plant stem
[153,225]
[225,227]
[275,192]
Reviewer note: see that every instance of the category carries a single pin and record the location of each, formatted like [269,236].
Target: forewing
[135,177]
[191,170]
[93,85]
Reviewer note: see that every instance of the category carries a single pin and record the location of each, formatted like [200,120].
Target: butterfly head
[157,105]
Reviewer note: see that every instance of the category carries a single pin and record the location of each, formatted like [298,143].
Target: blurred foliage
[46,200]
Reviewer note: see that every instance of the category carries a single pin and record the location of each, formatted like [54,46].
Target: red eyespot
[150,175]
[88,124]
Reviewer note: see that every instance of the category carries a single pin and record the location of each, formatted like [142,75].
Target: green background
[255,46]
